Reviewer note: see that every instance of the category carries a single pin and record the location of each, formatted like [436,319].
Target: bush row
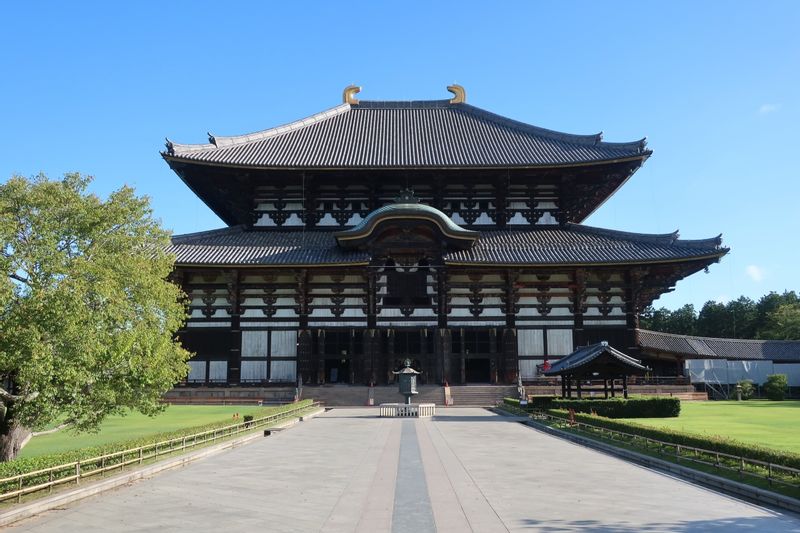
[23,465]
[711,443]
[654,407]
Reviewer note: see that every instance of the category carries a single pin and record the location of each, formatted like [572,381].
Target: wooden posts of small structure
[605,387]
[624,386]
[578,387]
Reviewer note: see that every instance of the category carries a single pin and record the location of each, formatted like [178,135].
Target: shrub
[776,386]
[747,388]
[654,407]
[711,443]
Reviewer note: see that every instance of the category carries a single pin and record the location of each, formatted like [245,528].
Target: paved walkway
[467,470]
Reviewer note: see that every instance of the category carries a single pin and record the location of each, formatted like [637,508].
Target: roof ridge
[184,237]
[218,141]
[589,140]
[659,238]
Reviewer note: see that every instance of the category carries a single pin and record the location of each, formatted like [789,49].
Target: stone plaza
[462,470]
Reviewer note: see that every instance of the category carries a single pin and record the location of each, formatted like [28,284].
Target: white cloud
[756,273]
[768,108]
[723,298]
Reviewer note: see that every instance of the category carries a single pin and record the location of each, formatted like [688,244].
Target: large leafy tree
[87,316]
[783,323]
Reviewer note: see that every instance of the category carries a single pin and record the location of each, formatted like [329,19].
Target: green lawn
[134,425]
[772,424]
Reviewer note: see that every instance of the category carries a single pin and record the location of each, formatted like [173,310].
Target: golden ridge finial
[459,94]
[349,94]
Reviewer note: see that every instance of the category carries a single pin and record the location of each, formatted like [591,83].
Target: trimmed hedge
[624,408]
[611,408]
[711,443]
[23,465]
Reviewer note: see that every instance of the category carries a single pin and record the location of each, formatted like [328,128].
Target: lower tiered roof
[570,244]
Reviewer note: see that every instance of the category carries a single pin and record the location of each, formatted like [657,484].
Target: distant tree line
[773,316]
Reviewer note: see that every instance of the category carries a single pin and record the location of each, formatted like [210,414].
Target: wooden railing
[738,464]
[45,479]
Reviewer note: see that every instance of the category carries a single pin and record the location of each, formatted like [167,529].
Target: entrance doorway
[337,370]
[477,370]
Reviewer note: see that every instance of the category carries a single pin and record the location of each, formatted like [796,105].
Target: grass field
[134,425]
[771,424]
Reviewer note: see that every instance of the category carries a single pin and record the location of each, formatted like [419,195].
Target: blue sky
[715,86]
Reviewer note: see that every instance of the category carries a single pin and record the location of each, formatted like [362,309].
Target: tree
[783,323]
[87,316]
[682,320]
[714,320]
[768,304]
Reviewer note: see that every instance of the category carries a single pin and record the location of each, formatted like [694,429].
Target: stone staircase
[481,395]
[357,395]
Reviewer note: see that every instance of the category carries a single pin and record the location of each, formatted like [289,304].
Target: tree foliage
[783,323]
[773,316]
[87,316]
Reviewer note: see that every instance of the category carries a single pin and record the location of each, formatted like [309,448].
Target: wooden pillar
[388,361]
[563,386]
[624,386]
[579,299]
[605,387]
[493,355]
[613,388]
[462,358]
[305,362]
[234,299]
[353,361]
[444,343]
[321,377]
[569,386]
[510,359]
[578,387]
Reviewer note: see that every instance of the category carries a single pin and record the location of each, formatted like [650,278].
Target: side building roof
[405,134]
[655,342]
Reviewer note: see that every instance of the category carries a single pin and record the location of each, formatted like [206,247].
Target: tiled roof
[713,348]
[546,245]
[586,354]
[419,134]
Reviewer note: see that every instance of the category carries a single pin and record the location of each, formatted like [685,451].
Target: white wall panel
[559,342]
[218,371]
[530,342]
[284,344]
[283,371]
[254,371]
[254,343]
[197,371]
[527,367]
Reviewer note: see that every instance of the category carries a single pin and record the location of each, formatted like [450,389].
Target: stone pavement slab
[468,470]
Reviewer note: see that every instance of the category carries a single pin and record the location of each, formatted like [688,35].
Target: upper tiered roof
[405,134]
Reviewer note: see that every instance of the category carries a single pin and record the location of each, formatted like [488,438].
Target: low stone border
[722,484]
[36,507]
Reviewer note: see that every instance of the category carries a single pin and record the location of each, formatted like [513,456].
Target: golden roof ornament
[349,94]
[459,94]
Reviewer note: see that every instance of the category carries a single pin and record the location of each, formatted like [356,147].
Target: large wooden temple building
[377,231]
